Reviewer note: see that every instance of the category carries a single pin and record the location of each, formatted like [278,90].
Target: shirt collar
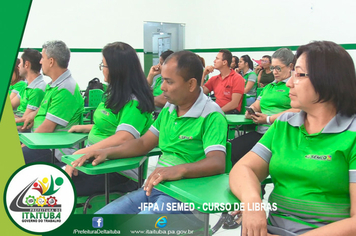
[60,79]
[337,124]
[284,81]
[197,109]
[249,71]
[36,82]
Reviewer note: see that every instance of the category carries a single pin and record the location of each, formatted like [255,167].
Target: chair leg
[206,224]
[220,222]
[86,204]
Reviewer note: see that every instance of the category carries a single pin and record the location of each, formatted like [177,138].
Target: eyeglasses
[101,65]
[264,61]
[298,76]
[278,68]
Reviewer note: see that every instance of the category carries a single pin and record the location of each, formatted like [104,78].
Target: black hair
[126,78]
[34,57]
[226,56]
[332,74]
[166,54]
[269,58]
[247,59]
[236,61]
[188,65]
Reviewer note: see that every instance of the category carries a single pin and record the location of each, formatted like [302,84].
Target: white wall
[209,24]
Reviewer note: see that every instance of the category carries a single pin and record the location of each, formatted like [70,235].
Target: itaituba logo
[39,194]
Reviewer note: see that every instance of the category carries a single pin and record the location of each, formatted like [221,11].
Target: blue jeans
[250,100]
[131,204]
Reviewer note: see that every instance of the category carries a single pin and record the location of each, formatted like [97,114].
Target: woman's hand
[71,171]
[254,222]
[248,115]
[259,118]
[98,157]
[78,129]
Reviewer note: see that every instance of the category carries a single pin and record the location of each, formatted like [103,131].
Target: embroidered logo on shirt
[281,90]
[105,113]
[185,137]
[319,157]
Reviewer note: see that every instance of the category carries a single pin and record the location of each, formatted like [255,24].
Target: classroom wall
[90,25]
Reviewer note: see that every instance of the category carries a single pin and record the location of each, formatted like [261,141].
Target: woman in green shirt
[17,85]
[124,114]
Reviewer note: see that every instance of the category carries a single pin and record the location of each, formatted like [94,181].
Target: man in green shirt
[190,130]
[62,104]
[30,99]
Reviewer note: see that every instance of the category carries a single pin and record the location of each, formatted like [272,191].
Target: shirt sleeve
[62,108]
[132,120]
[155,127]
[210,84]
[35,99]
[214,133]
[238,84]
[252,77]
[264,146]
[352,166]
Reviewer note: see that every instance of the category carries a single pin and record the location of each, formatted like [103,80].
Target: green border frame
[15,173]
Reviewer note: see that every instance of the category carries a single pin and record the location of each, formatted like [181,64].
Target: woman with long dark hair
[124,114]
[246,68]
[17,84]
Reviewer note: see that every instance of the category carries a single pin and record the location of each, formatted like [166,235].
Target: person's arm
[132,148]
[80,128]
[115,140]
[234,103]
[245,183]
[15,102]
[47,126]
[261,118]
[13,95]
[160,100]
[155,70]
[205,90]
[213,164]
[346,227]
[207,70]
[27,120]
[249,86]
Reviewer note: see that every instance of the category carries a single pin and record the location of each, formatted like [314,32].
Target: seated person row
[62,105]
[228,86]
[273,101]
[246,69]
[155,71]
[17,84]
[310,155]
[190,130]
[124,114]
[30,98]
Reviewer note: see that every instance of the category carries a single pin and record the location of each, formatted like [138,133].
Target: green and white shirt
[274,98]
[252,77]
[17,88]
[129,119]
[156,87]
[62,103]
[32,96]
[311,172]
[188,138]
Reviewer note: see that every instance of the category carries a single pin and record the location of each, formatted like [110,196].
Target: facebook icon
[98,222]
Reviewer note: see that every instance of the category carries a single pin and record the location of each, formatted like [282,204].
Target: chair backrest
[95,97]
[243,109]
[228,163]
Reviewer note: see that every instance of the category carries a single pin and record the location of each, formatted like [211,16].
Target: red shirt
[224,88]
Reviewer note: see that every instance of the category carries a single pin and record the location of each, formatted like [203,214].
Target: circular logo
[39,197]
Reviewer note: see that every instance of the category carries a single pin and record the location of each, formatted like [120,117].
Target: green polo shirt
[188,138]
[62,103]
[251,76]
[157,87]
[311,172]
[32,96]
[274,98]
[17,88]
[129,119]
